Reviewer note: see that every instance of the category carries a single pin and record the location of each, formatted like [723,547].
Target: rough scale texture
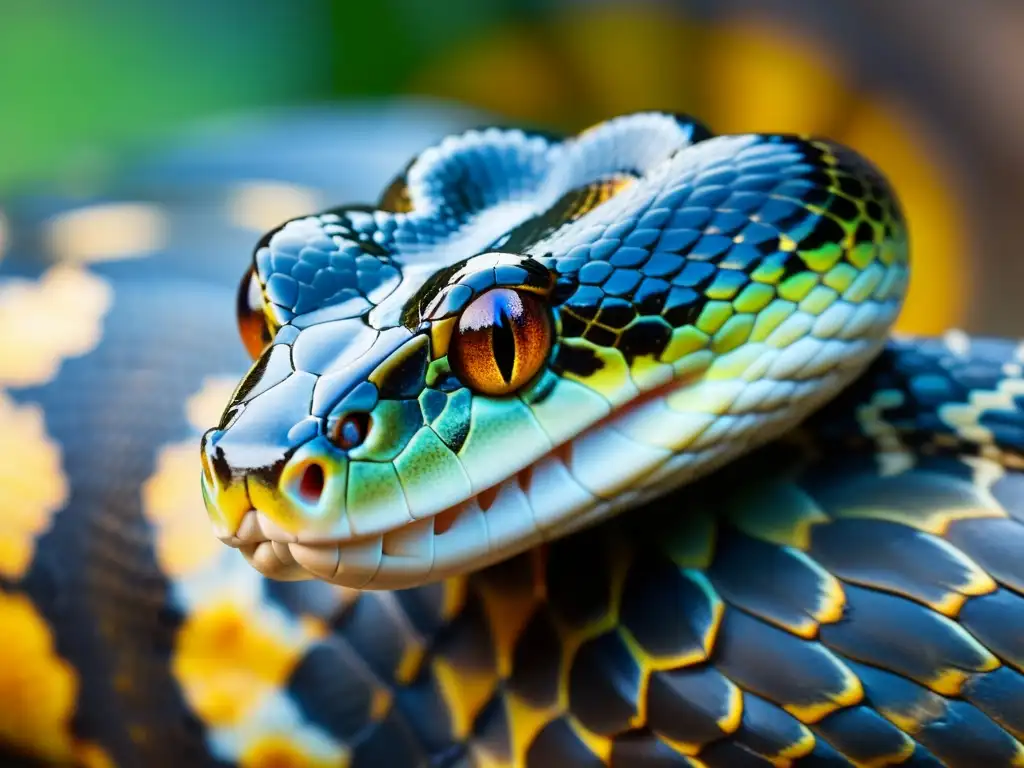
[706,293]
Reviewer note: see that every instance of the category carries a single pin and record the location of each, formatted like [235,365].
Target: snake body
[817,556]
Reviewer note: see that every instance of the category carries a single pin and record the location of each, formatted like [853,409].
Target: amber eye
[501,341]
[252,323]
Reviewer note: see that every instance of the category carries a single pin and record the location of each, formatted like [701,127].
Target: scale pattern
[851,595]
[724,284]
[726,249]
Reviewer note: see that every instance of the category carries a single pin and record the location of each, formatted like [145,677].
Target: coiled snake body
[818,554]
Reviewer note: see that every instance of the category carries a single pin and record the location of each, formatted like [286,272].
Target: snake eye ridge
[351,430]
[501,341]
[252,322]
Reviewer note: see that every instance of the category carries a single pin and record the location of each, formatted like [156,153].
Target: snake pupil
[502,340]
[504,344]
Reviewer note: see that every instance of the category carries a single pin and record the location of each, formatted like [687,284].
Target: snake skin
[706,292]
[852,594]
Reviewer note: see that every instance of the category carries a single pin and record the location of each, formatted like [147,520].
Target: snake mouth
[579,481]
[464,536]
[539,503]
[607,467]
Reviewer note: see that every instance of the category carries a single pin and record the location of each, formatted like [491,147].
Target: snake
[595,450]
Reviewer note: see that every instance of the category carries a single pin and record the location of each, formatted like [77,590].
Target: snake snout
[288,498]
[224,492]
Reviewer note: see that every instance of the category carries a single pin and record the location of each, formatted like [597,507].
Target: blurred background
[933,92]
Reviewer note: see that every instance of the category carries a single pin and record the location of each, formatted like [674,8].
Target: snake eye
[252,322]
[501,341]
[351,430]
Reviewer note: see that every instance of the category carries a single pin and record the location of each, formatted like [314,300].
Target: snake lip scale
[256,528]
[327,558]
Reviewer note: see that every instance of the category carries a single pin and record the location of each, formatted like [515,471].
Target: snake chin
[476,532]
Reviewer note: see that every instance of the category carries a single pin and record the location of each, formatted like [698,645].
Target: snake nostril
[311,484]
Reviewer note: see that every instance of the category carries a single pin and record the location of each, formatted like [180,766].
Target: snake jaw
[660,440]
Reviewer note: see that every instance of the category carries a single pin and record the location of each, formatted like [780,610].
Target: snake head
[527,335]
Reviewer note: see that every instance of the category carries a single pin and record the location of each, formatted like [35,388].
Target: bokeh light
[120,77]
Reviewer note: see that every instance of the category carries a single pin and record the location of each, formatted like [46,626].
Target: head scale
[530,335]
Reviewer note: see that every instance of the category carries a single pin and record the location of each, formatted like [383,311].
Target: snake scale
[588,451]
